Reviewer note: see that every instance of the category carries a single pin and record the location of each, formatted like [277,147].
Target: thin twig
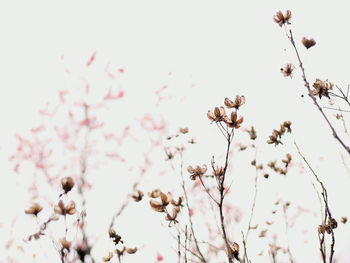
[307,85]
[201,257]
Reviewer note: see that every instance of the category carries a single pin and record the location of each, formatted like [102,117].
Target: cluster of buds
[138,196]
[281,170]
[321,88]
[219,114]
[196,171]
[281,19]
[165,200]
[332,224]
[119,252]
[277,134]
[183,130]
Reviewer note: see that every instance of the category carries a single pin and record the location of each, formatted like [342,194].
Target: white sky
[223,48]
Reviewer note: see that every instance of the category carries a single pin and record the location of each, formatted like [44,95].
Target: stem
[221,202]
[307,85]
[189,211]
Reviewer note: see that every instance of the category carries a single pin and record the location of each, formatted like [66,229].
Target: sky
[202,51]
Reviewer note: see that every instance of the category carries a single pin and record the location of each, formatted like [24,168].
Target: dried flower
[281,19]
[242,147]
[35,209]
[233,122]
[160,206]
[108,258]
[192,141]
[197,171]
[287,125]
[277,134]
[83,250]
[178,202]
[272,164]
[321,88]
[116,238]
[239,101]
[235,250]
[252,133]
[263,233]
[131,250]
[218,114]
[61,209]
[288,160]
[155,193]
[138,197]
[172,218]
[183,130]
[219,172]
[287,70]
[274,138]
[308,42]
[65,244]
[67,183]
[120,252]
[344,219]
[332,223]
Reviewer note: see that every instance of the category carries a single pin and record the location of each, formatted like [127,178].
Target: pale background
[214,49]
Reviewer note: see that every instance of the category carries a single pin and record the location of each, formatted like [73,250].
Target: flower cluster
[277,134]
[281,170]
[119,252]
[165,200]
[138,196]
[219,114]
[321,88]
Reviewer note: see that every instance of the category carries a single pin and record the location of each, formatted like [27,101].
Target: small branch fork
[327,213]
[307,85]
